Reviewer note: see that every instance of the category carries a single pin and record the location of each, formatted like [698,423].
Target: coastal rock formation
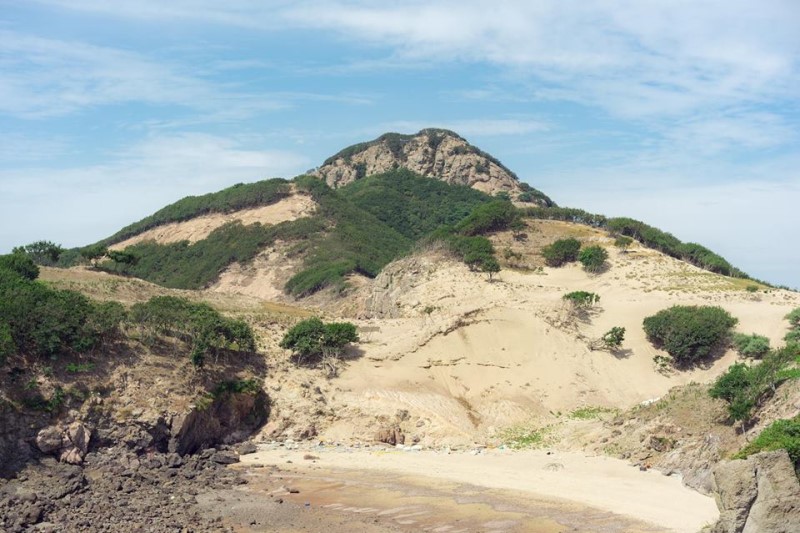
[433,153]
[760,494]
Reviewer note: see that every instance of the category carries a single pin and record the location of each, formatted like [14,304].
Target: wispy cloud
[139,180]
[630,57]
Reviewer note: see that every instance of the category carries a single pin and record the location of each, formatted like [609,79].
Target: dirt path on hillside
[339,489]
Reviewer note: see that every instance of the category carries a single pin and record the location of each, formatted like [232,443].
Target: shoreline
[536,477]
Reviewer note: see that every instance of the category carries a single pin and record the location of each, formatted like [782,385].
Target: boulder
[391,436]
[760,494]
[48,440]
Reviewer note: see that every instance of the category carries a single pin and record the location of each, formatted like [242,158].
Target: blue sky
[682,113]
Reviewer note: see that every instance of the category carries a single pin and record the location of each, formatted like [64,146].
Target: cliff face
[433,153]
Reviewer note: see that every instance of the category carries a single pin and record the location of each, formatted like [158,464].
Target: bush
[593,258]
[755,346]
[781,434]
[20,264]
[198,324]
[689,333]
[312,339]
[622,242]
[494,216]
[561,251]
[744,387]
[794,318]
[581,299]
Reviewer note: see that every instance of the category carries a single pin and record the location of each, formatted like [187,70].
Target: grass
[527,438]
[592,412]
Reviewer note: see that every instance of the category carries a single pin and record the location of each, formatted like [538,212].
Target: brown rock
[49,439]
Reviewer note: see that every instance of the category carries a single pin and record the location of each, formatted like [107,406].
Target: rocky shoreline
[116,490]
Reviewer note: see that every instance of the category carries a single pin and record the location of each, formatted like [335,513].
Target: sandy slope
[467,358]
[599,482]
[196,229]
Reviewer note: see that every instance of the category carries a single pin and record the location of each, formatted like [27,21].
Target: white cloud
[630,57]
[80,205]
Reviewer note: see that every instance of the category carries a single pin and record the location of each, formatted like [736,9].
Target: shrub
[781,434]
[612,339]
[581,299]
[494,216]
[755,346]
[312,339]
[198,324]
[593,258]
[21,264]
[44,253]
[622,242]
[794,318]
[793,337]
[689,333]
[561,251]
[744,387]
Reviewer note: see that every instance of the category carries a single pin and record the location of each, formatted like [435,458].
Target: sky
[682,113]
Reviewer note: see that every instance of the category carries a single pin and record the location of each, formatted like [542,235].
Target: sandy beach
[487,490]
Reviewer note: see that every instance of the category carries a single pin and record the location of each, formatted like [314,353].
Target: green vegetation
[561,252]
[235,198]
[793,336]
[780,435]
[198,324]
[745,387]
[647,235]
[43,253]
[312,340]
[591,412]
[20,264]
[689,333]
[581,299]
[593,258]
[623,243]
[41,322]
[611,340]
[412,205]
[755,346]
[494,216]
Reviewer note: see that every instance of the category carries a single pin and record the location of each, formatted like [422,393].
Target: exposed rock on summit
[433,153]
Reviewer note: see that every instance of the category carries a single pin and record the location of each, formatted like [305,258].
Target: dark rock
[246,448]
[225,458]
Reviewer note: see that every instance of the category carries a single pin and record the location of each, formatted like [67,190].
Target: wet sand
[426,491]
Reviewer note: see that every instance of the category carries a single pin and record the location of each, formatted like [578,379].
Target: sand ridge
[290,208]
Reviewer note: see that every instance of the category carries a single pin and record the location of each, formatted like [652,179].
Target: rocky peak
[433,153]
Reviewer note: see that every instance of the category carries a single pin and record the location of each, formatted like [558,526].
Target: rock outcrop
[760,494]
[433,153]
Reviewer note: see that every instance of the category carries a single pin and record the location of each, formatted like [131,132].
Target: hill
[466,338]
[433,153]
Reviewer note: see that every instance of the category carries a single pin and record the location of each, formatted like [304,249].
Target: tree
[311,339]
[593,258]
[689,333]
[561,251]
[122,257]
[44,253]
[490,266]
[94,253]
